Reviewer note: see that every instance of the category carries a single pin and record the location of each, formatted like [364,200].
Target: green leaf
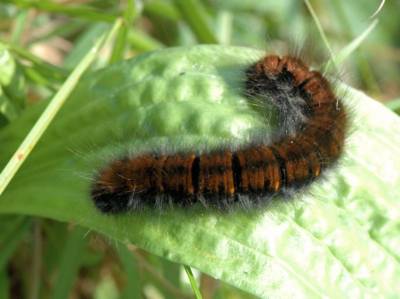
[338,240]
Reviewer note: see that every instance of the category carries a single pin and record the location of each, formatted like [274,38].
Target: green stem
[193,282]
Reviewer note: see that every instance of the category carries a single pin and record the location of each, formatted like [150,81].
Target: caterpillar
[313,122]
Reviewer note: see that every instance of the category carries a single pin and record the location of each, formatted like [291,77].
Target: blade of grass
[84,43]
[363,64]
[19,25]
[162,9]
[143,42]
[351,47]
[225,20]
[171,271]
[120,42]
[195,16]
[10,224]
[38,78]
[10,243]
[37,261]
[63,30]
[378,9]
[133,287]
[321,31]
[193,283]
[54,106]
[69,263]
[4,284]
[119,45]
[156,277]
[41,65]
[80,11]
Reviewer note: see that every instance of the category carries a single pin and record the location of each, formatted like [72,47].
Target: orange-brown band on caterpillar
[311,114]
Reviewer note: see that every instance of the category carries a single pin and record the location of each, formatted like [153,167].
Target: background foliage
[43,41]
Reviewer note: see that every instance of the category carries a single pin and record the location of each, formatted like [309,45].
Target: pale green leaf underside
[338,240]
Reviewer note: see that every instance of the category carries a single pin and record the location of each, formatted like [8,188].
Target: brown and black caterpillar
[314,121]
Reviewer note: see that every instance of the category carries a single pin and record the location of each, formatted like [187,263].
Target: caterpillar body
[314,122]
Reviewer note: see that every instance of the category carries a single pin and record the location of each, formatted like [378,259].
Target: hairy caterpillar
[313,123]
